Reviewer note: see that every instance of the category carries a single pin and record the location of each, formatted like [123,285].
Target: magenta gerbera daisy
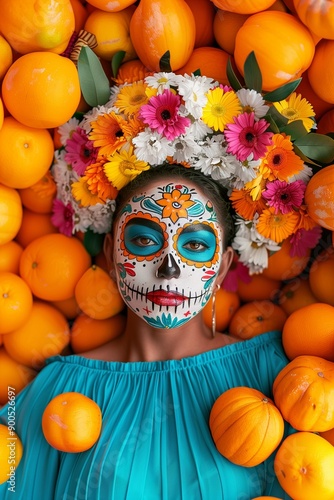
[246,136]
[161,114]
[80,151]
[62,217]
[302,240]
[284,197]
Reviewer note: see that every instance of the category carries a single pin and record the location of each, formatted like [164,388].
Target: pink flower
[161,114]
[284,197]
[62,217]
[302,240]
[246,136]
[237,272]
[226,88]
[80,152]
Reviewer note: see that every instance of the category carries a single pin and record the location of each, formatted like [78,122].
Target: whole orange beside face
[72,422]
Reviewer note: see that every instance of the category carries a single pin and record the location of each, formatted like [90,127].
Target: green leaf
[316,146]
[93,242]
[252,73]
[295,129]
[273,126]
[197,72]
[303,157]
[164,63]
[275,115]
[94,83]
[282,92]
[116,61]
[232,77]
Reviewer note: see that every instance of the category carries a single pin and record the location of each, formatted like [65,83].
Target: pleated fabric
[155,442]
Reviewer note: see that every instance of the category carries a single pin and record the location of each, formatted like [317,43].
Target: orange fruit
[33,226]
[279,40]
[319,195]
[6,56]
[10,254]
[69,307]
[321,64]
[310,330]
[266,498]
[11,451]
[225,27]
[204,13]
[326,123]
[321,277]
[258,288]
[10,213]
[44,334]
[53,264]
[104,330]
[13,374]
[72,422]
[2,113]
[42,90]
[131,71]
[256,317]
[80,14]
[304,466]
[30,27]
[39,196]
[111,6]
[26,153]
[226,305]
[319,105]
[211,61]
[97,294]
[328,435]
[102,24]
[15,301]
[295,294]
[281,266]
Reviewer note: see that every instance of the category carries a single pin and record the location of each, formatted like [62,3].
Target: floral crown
[262,147]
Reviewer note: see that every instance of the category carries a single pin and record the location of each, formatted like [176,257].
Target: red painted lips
[163,298]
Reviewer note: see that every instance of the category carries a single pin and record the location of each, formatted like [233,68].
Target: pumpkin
[317,15]
[304,393]
[168,26]
[279,40]
[10,213]
[319,197]
[211,61]
[245,425]
[244,7]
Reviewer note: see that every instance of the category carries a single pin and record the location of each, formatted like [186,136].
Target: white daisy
[194,89]
[304,175]
[252,101]
[163,80]
[185,148]
[152,147]
[66,130]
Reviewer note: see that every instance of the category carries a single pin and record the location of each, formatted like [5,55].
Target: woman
[157,382]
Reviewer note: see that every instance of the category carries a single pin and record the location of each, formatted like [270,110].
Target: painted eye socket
[143,239]
[197,245]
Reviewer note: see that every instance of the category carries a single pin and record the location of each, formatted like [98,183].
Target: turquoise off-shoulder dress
[155,442]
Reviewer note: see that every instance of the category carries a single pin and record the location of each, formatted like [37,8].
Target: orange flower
[108,133]
[305,221]
[280,161]
[98,182]
[276,227]
[244,204]
[175,205]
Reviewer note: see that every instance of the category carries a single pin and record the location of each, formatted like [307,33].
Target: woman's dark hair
[214,191]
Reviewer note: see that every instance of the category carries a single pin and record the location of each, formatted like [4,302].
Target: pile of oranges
[53,294]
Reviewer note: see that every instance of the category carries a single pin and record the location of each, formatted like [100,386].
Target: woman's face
[167,252]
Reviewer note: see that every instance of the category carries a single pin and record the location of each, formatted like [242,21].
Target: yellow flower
[220,108]
[277,227]
[123,167]
[255,187]
[280,161]
[175,205]
[295,108]
[82,194]
[131,97]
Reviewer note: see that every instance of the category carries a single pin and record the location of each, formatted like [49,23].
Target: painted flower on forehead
[161,113]
[220,108]
[175,204]
[246,136]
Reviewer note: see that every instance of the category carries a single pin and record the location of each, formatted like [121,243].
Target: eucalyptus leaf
[164,63]
[116,61]
[252,73]
[295,129]
[316,146]
[282,92]
[93,242]
[232,77]
[94,83]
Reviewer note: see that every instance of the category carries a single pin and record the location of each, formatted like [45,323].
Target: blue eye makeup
[143,237]
[197,243]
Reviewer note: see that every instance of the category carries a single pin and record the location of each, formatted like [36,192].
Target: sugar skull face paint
[168,252]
